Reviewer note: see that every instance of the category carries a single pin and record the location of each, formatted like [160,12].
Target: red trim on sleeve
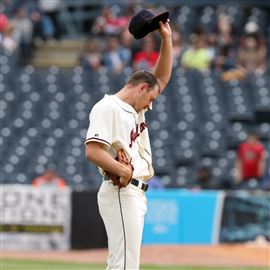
[97,140]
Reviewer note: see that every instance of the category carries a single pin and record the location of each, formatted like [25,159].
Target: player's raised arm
[163,67]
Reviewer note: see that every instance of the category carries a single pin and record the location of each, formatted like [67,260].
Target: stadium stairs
[62,53]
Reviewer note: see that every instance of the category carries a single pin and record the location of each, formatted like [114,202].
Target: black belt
[134,182]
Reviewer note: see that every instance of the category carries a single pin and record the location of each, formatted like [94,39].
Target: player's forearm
[100,157]
[164,64]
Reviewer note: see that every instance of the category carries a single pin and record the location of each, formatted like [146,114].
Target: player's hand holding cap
[146,21]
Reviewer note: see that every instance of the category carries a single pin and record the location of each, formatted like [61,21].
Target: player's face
[149,97]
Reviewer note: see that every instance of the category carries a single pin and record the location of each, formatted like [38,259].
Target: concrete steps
[63,53]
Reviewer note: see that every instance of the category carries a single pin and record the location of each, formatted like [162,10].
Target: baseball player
[117,142]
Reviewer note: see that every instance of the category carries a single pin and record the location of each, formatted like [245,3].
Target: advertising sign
[186,217]
[34,218]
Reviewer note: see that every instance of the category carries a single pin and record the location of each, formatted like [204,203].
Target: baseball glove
[122,158]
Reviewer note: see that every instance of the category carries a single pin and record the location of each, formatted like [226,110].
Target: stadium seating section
[199,119]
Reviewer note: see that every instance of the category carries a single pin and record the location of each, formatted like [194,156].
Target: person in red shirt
[147,57]
[250,162]
[49,178]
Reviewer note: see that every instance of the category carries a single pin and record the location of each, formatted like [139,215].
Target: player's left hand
[117,180]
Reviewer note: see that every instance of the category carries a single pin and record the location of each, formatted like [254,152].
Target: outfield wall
[48,218]
[183,216]
[34,219]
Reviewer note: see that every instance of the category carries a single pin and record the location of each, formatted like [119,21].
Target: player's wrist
[126,172]
[166,38]
[126,176]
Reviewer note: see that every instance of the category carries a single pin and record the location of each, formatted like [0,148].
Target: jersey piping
[97,140]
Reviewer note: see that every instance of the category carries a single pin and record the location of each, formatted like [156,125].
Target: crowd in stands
[25,22]
[225,50]
[232,52]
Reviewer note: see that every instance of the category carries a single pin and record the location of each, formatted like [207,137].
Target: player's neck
[126,95]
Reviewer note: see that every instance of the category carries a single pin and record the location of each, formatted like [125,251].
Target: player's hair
[142,76]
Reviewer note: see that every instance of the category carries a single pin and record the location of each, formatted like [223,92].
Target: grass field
[10,264]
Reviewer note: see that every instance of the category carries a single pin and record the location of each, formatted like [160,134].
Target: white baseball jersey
[116,124]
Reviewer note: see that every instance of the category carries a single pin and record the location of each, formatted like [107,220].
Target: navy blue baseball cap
[146,21]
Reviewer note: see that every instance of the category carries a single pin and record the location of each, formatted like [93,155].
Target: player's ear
[143,86]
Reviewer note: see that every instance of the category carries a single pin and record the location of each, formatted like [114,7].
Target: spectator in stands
[49,178]
[108,23]
[177,45]
[224,34]
[197,56]
[3,22]
[50,11]
[113,59]
[225,44]
[45,17]
[252,55]
[123,20]
[23,26]
[203,178]
[91,57]
[32,11]
[250,163]
[147,57]
[224,60]
[126,46]
[7,41]
[23,32]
